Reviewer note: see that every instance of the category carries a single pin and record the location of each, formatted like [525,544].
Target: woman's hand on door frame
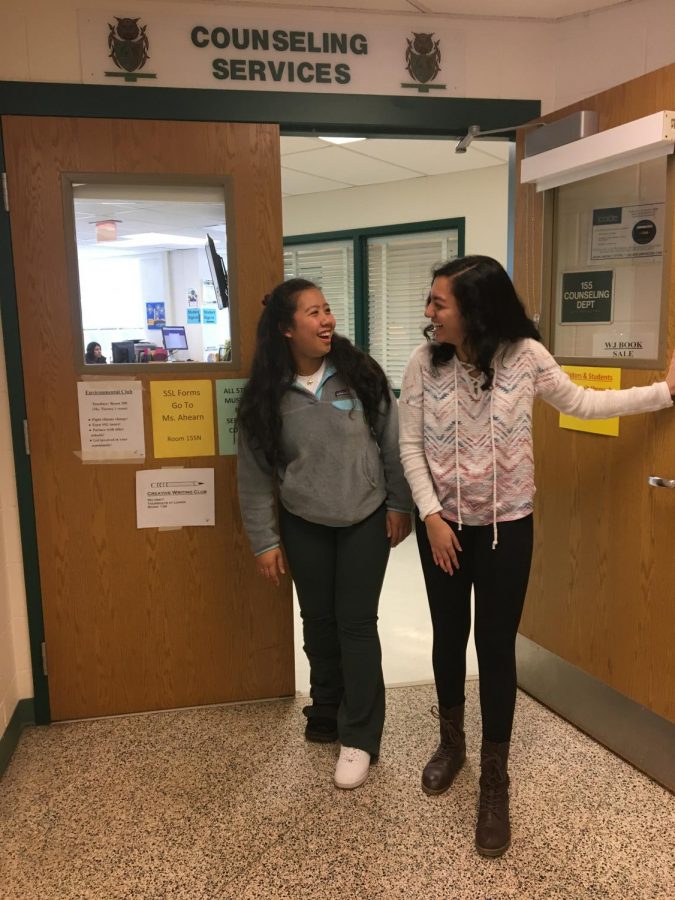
[670,376]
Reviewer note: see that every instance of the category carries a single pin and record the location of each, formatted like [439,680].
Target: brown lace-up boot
[450,754]
[493,832]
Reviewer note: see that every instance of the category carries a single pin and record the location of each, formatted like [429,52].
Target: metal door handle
[655,481]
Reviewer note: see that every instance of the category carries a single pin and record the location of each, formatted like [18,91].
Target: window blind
[329,265]
[399,277]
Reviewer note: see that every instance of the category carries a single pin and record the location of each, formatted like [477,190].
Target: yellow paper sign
[602,380]
[182,418]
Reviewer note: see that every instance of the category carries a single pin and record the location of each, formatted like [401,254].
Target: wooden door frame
[295,113]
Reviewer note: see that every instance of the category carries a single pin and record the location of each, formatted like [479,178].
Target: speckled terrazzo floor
[231,802]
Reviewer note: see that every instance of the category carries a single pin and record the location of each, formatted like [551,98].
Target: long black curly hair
[492,312]
[273,372]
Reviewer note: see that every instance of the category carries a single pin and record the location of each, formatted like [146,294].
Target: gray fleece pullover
[335,471]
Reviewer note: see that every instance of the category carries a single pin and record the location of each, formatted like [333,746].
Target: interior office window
[399,276]
[149,265]
[330,265]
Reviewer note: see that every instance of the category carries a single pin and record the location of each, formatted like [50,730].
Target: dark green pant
[338,574]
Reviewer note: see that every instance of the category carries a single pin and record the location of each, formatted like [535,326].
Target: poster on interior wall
[208,293]
[194,316]
[628,232]
[155,315]
[209,317]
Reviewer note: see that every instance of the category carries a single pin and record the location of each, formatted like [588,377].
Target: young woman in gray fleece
[318,428]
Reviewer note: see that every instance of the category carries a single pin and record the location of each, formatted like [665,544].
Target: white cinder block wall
[557,62]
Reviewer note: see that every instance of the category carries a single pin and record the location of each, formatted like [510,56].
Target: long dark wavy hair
[273,372]
[492,312]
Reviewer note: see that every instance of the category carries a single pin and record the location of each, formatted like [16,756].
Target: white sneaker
[352,768]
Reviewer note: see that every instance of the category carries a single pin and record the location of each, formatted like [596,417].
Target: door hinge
[5,194]
[44,658]
[25,437]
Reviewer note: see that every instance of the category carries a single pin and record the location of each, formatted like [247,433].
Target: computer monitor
[124,351]
[218,273]
[174,337]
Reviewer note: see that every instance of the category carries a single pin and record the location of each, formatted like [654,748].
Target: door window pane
[152,273]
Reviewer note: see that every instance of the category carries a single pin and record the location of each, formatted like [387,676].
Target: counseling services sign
[286,50]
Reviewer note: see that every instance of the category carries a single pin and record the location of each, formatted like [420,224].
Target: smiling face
[310,334]
[443,310]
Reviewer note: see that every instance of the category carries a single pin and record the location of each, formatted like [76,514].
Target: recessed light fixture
[341,140]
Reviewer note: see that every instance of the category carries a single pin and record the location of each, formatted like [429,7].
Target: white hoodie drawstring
[495,532]
[459,486]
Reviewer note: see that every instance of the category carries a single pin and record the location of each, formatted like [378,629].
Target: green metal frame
[359,238]
[295,113]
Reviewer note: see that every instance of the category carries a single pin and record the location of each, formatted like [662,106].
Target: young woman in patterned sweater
[466,447]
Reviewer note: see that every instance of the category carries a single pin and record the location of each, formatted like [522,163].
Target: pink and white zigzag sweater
[467,453]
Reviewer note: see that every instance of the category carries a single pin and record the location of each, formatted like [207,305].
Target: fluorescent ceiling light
[155,239]
[626,145]
[341,140]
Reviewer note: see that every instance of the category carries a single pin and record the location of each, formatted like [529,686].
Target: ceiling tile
[291,145]
[498,150]
[535,9]
[502,9]
[430,157]
[301,183]
[344,165]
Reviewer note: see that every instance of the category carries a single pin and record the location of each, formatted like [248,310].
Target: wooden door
[139,619]
[603,578]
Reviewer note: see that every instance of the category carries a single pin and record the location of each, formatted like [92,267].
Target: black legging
[338,573]
[499,578]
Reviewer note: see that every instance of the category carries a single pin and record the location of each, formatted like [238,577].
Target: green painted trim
[22,467]
[459,222]
[361,327]
[295,113]
[511,224]
[24,714]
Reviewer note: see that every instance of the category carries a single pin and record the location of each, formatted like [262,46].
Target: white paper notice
[111,420]
[626,344]
[169,498]
[628,232]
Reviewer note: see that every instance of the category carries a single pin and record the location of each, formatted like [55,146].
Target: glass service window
[399,276]
[330,265]
[609,241]
[152,272]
